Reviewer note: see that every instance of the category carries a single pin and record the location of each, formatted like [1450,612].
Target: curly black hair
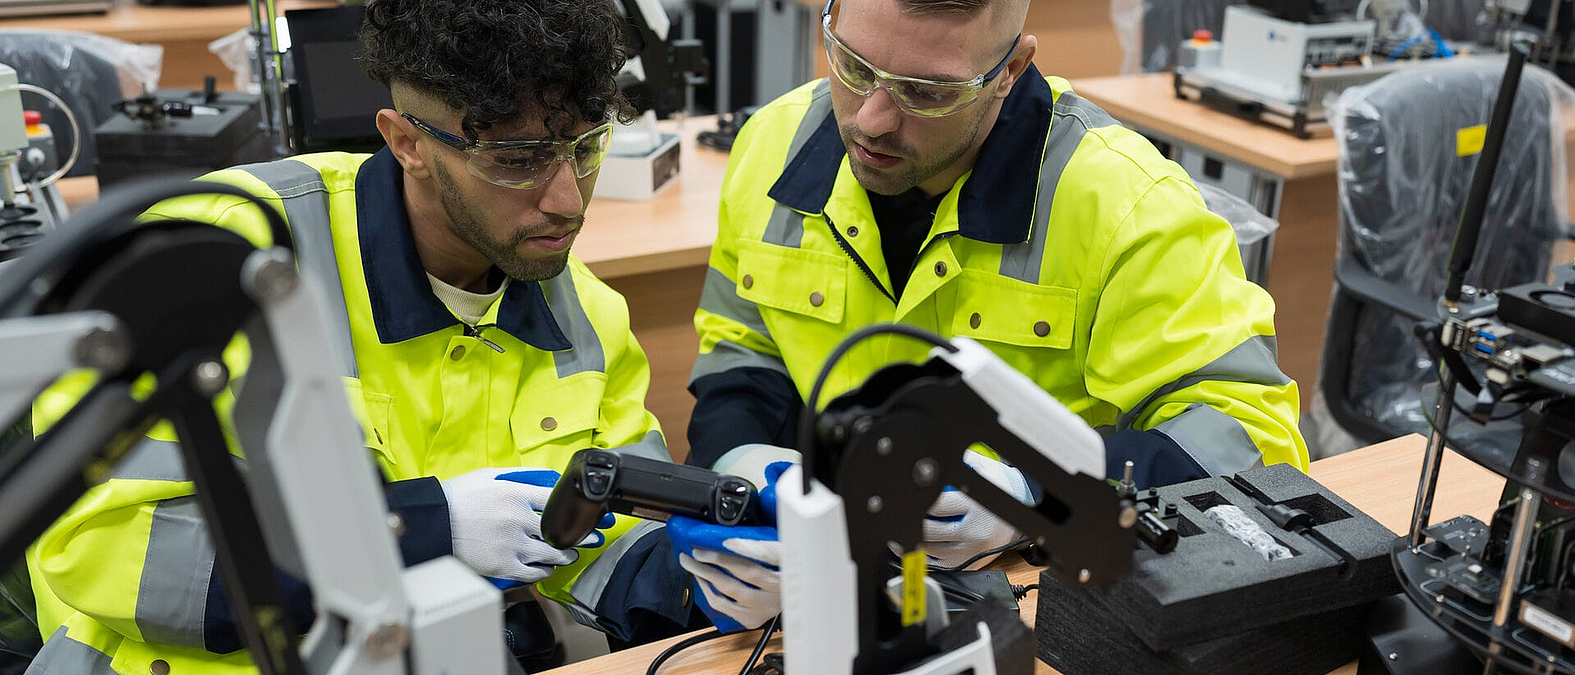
[495,60]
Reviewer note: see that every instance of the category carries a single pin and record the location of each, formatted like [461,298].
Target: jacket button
[548,424]
[853,231]
[1042,329]
[159,667]
[940,269]
[458,353]
[749,281]
[817,299]
[973,321]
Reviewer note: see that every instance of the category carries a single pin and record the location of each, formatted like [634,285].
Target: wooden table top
[1149,101]
[1380,480]
[140,23]
[673,230]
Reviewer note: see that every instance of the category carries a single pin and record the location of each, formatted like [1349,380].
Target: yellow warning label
[915,569]
[1469,141]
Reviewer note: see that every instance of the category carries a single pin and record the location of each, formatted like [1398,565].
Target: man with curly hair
[482,354]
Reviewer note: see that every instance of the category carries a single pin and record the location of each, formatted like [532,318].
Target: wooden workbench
[183,31]
[1380,480]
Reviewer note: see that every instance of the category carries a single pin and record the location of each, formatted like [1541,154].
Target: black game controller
[598,482]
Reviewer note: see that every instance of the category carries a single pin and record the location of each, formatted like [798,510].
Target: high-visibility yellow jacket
[1072,250]
[125,579]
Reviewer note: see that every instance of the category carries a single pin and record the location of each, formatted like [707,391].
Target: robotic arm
[124,299]
[877,459]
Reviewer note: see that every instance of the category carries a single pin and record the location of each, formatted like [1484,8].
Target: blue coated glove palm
[737,570]
[495,515]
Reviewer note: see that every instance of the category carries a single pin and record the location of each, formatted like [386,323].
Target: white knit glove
[958,528]
[495,515]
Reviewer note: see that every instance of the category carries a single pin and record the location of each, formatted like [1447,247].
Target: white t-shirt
[469,307]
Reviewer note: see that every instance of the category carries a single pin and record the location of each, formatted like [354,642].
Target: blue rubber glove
[495,515]
[737,570]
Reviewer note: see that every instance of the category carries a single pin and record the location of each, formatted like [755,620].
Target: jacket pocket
[807,283]
[375,413]
[565,419]
[994,308]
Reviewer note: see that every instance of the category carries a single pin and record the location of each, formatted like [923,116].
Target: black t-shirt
[904,221]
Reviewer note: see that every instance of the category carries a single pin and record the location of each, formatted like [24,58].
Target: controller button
[597,482]
[599,459]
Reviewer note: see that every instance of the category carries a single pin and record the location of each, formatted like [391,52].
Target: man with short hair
[483,354]
[937,179]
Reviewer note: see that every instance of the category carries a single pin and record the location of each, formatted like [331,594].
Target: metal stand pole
[1423,509]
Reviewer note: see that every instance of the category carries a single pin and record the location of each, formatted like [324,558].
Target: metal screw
[389,639]
[396,524]
[102,349]
[862,425]
[924,471]
[1128,518]
[271,274]
[883,446]
[1083,576]
[1040,541]
[874,504]
[1393,656]
[209,377]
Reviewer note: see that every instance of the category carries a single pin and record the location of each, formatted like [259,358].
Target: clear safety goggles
[915,96]
[525,164]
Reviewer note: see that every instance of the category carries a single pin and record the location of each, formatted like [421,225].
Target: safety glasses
[524,165]
[915,96]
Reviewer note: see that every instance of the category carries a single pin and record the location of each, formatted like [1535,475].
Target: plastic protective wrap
[1248,531]
[1254,231]
[236,51]
[1407,157]
[90,72]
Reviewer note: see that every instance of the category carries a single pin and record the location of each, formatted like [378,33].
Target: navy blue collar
[997,202]
[403,305]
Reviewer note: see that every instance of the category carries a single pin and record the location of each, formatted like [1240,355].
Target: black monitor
[1309,11]
[333,102]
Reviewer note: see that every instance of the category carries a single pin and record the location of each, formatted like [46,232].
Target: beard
[918,166]
[470,227]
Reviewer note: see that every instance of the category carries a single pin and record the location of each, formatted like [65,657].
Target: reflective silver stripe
[152,459]
[585,349]
[588,587]
[720,297]
[62,655]
[1092,116]
[305,200]
[1072,119]
[1254,361]
[1216,441]
[173,595]
[727,355]
[650,447]
[786,227]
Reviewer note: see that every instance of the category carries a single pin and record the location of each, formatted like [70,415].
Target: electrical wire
[806,426]
[656,663]
[76,130]
[1015,543]
[760,647]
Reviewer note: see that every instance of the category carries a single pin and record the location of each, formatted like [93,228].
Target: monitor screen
[337,103]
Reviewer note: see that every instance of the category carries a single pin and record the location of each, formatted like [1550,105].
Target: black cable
[806,426]
[982,555]
[1021,592]
[760,647]
[656,663]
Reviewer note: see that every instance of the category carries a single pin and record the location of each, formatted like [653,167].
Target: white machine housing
[1269,55]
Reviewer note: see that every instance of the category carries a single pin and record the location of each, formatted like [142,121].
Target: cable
[656,663]
[806,426]
[1021,592]
[760,647]
[76,130]
[982,555]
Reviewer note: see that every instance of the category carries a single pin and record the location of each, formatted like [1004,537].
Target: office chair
[79,68]
[1403,178]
